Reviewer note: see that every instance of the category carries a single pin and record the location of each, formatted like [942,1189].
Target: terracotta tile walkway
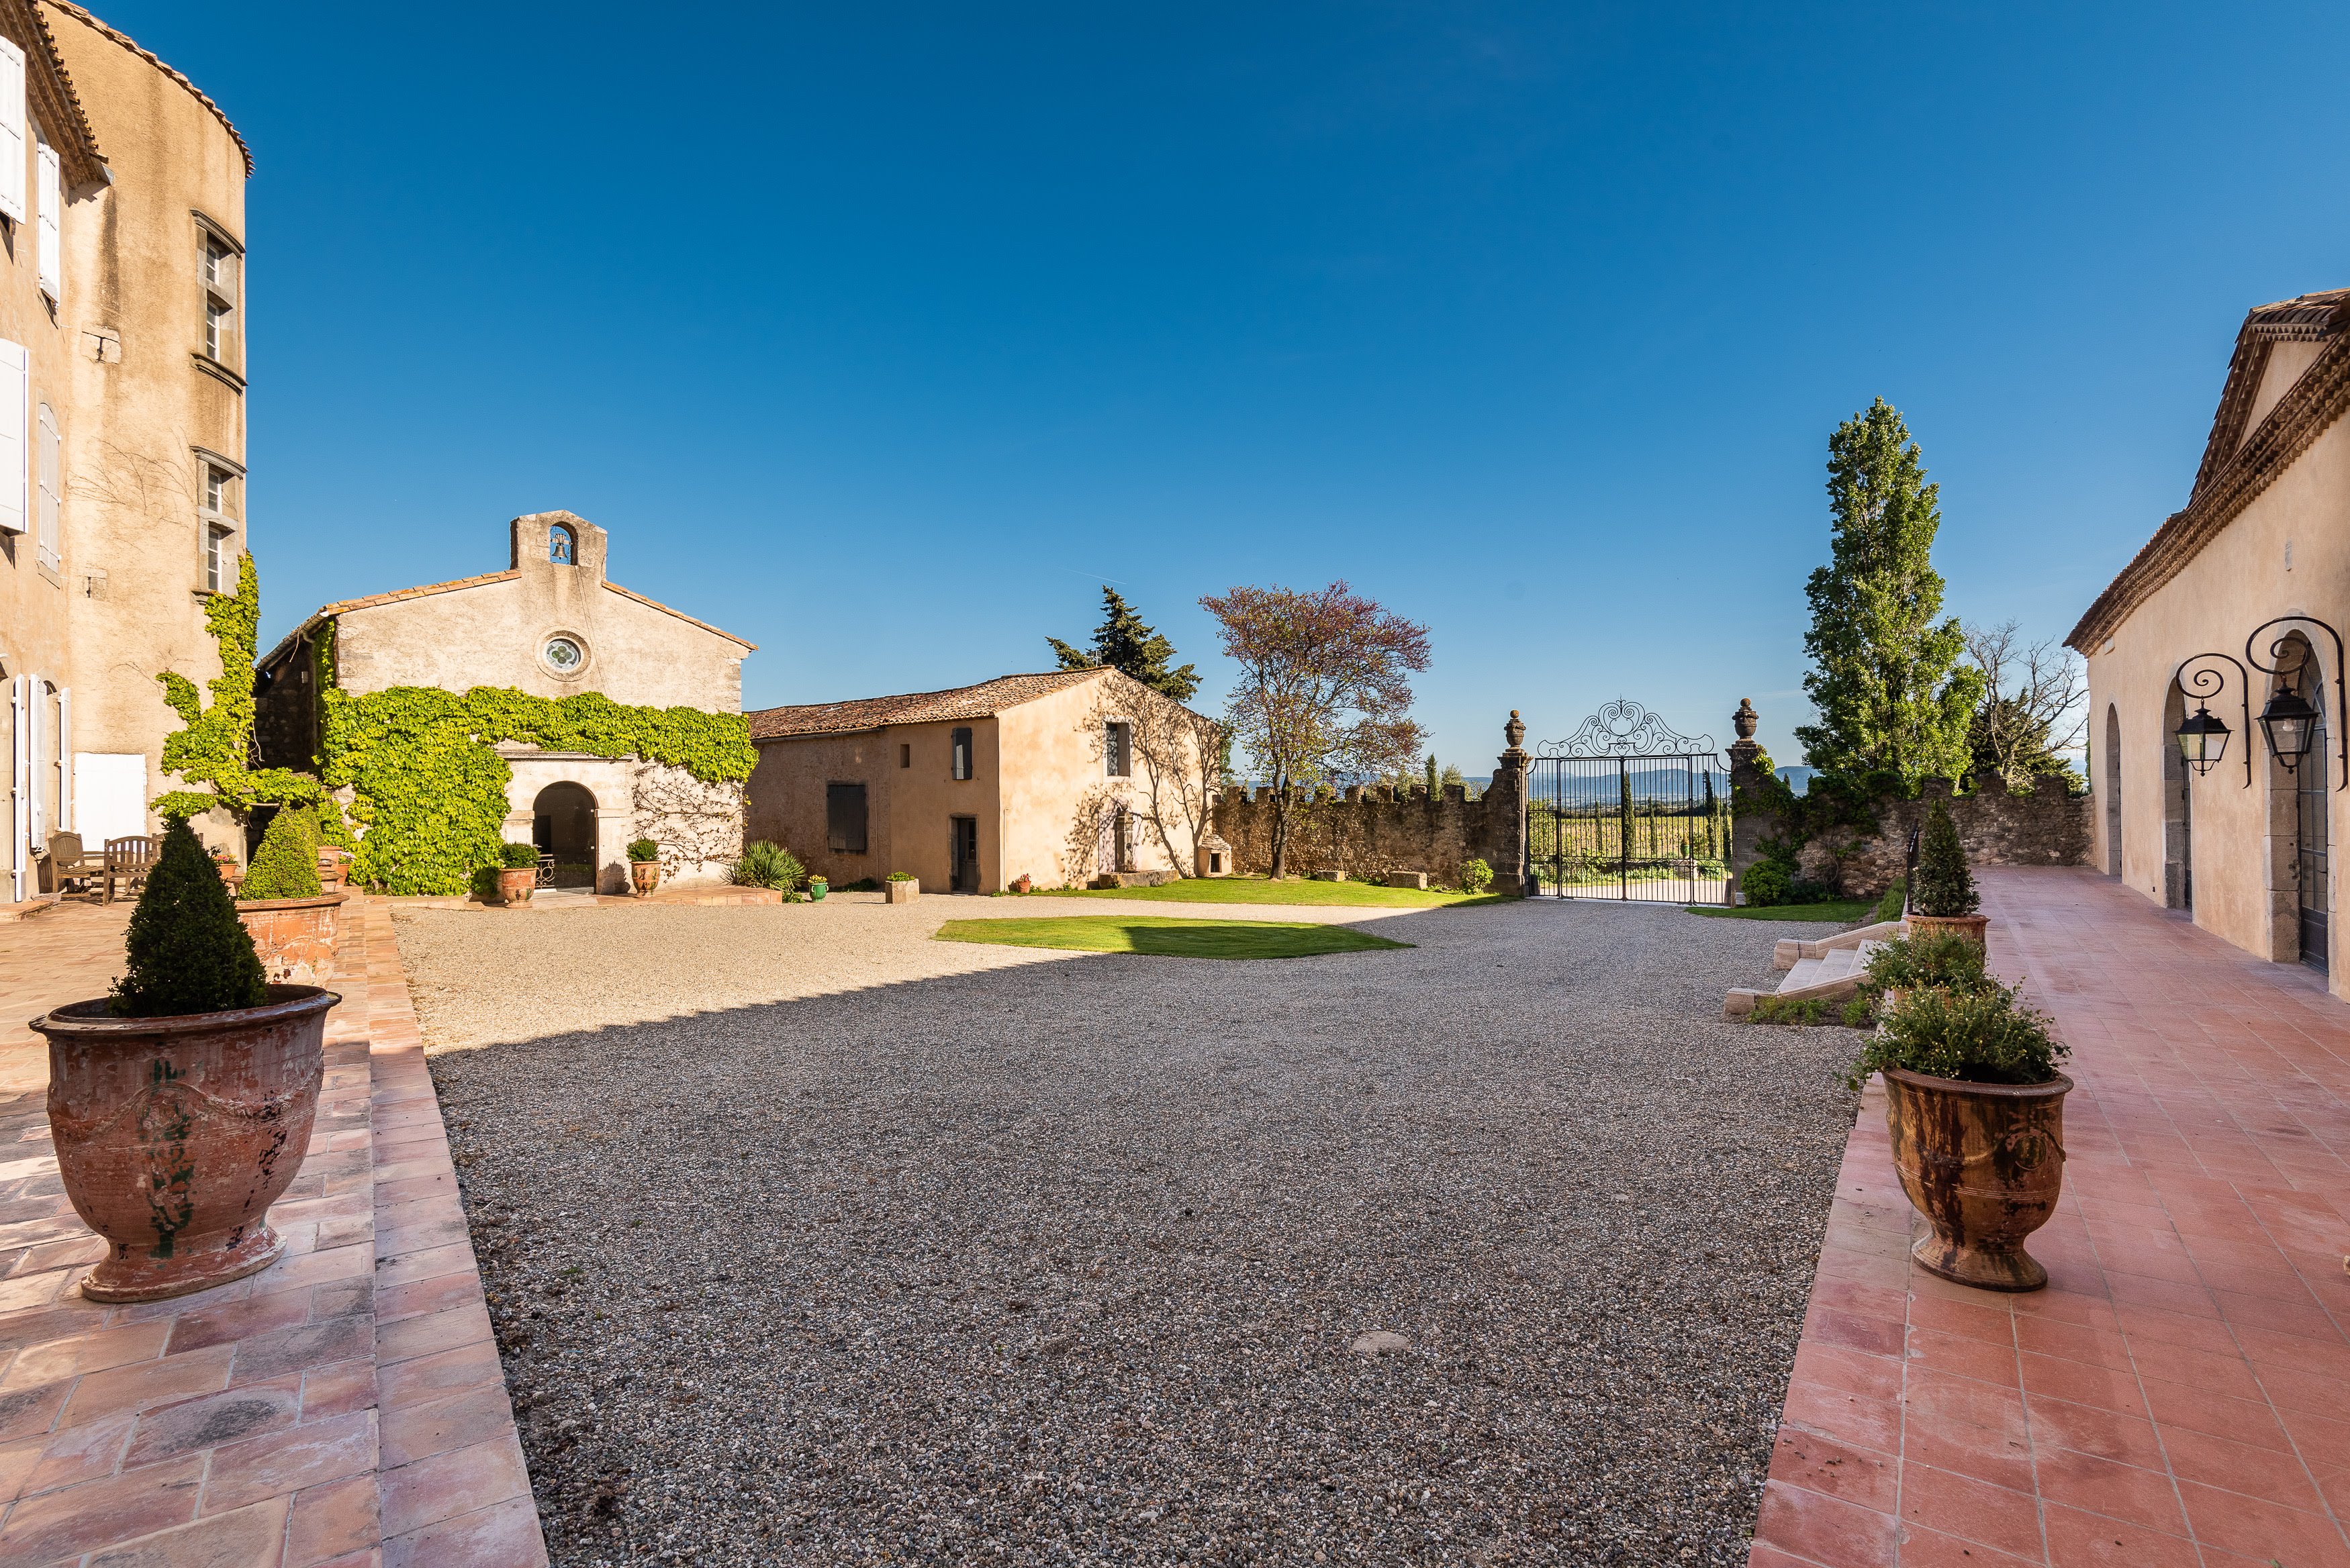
[343,1407]
[2181,1394]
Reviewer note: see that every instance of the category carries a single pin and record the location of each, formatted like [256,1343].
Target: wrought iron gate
[1626,809]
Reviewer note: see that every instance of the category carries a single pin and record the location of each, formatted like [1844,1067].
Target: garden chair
[70,864]
[128,861]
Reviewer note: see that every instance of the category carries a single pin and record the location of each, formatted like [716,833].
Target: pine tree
[1945,885]
[1887,682]
[186,950]
[1125,644]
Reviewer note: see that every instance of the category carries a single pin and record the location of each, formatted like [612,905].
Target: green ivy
[432,793]
[214,746]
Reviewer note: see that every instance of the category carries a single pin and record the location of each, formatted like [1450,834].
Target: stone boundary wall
[2049,826]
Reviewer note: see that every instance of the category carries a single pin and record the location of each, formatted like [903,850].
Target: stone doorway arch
[588,803]
[563,825]
[2111,783]
[2178,807]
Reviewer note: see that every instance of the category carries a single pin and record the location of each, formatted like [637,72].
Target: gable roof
[2239,466]
[80,14]
[981,702]
[325,613]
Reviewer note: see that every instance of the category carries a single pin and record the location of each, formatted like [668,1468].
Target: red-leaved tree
[1325,688]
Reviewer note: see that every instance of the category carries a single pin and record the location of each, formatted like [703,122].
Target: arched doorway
[2177,808]
[563,824]
[2299,851]
[2112,784]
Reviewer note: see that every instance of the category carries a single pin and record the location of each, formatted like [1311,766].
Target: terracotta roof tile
[983,700]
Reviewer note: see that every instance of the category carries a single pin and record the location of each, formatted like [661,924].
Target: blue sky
[882,338]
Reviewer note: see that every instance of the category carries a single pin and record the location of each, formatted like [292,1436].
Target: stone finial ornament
[1746,720]
[1514,731]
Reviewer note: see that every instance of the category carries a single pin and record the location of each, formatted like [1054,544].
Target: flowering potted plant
[1975,1105]
[817,888]
[181,1104]
[1944,898]
[517,873]
[644,866]
[290,915]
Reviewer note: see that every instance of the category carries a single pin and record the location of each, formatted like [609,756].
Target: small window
[1118,749]
[905,756]
[562,546]
[564,655]
[219,267]
[962,762]
[50,490]
[220,491]
[215,327]
[844,818]
[217,575]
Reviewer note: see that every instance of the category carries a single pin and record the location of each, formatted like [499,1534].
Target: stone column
[1749,823]
[1505,816]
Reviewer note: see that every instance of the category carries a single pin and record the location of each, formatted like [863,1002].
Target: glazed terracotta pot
[334,868]
[817,888]
[1983,1163]
[175,1135]
[1971,927]
[644,875]
[515,883]
[295,938]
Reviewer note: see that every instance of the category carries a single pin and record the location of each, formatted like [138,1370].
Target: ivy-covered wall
[414,766]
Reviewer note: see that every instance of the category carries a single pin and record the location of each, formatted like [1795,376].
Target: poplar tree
[1887,680]
[1125,644]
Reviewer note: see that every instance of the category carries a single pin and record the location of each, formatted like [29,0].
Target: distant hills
[1798,779]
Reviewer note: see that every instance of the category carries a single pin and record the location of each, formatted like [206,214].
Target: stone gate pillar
[1749,823]
[1505,816]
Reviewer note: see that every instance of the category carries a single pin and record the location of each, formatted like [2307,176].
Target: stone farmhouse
[1064,778]
[2230,616]
[551,624]
[122,417]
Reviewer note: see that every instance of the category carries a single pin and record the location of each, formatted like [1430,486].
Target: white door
[109,796]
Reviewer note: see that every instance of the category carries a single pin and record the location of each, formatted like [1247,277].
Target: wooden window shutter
[13,442]
[52,199]
[960,765]
[12,130]
[844,818]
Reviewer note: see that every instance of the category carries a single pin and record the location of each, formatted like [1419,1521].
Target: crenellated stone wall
[1367,831]
[2048,826]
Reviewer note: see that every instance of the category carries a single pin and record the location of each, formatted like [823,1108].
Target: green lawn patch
[1165,935]
[1260,890]
[1839,911]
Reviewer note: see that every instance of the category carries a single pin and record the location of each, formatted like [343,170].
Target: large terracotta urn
[175,1135]
[294,938]
[1983,1163]
[515,883]
[644,875]
[1971,927]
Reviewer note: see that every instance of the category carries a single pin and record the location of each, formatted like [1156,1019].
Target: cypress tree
[1886,678]
[186,949]
[1125,644]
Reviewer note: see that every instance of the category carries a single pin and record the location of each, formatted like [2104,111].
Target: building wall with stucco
[2227,840]
[144,406]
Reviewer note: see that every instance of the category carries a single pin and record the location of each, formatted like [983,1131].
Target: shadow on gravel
[1068,1259]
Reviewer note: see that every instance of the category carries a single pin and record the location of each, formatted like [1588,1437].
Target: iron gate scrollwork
[1626,809]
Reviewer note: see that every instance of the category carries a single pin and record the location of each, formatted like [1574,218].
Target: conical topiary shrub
[1945,886]
[187,951]
[287,865]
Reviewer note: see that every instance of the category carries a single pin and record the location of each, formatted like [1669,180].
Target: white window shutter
[12,119]
[52,199]
[14,447]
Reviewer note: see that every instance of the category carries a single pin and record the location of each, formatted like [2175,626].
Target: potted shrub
[1975,1105]
[1944,898]
[1022,883]
[288,912]
[334,866]
[900,888]
[644,866]
[1939,960]
[224,861]
[181,1104]
[517,873]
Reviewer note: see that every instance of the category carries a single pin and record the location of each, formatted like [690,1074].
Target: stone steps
[1830,973]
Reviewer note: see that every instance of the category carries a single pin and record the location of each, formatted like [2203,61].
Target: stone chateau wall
[2048,826]
[1366,831]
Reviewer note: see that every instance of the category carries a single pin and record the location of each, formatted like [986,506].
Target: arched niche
[2178,807]
[2111,784]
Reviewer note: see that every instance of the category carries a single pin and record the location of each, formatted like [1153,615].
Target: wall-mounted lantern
[2202,739]
[2290,720]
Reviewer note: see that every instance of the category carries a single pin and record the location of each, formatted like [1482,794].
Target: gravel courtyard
[810,1239]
